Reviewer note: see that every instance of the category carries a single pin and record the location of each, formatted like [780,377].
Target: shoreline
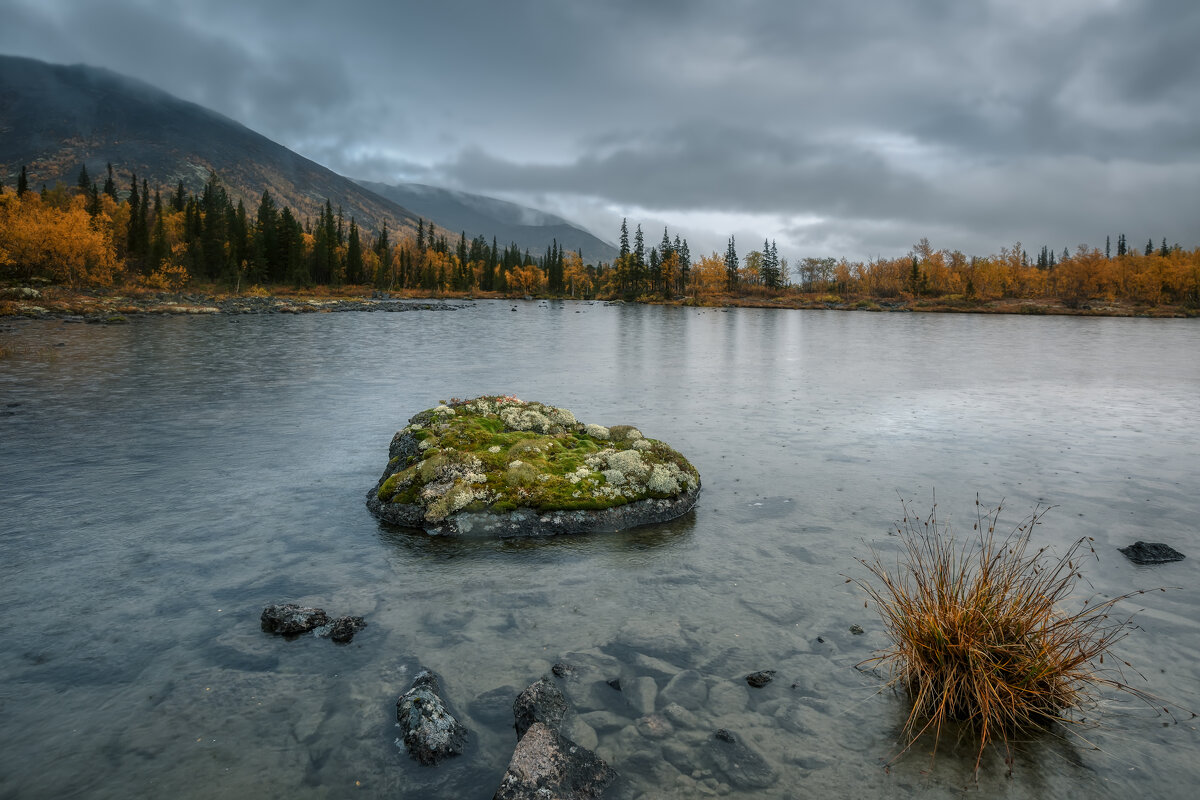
[115,306]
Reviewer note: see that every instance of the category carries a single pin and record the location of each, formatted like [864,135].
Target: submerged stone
[740,766]
[1151,553]
[761,678]
[505,467]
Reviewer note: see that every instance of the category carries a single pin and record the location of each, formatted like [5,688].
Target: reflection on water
[165,480]
[624,544]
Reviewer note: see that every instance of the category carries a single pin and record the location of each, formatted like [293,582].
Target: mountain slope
[487,216]
[54,118]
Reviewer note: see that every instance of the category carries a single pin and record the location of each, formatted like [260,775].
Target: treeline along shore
[94,249]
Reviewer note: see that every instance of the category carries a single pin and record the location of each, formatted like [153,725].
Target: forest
[96,235]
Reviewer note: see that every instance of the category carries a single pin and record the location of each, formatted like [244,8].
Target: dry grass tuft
[980,631]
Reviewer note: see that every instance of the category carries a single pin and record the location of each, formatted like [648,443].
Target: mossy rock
[506,467]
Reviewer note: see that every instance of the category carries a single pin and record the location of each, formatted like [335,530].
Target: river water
[164,480]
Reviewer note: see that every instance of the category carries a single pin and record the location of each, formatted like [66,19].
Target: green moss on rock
[500,455]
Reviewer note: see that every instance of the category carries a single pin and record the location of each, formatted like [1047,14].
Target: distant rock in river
[1151,553]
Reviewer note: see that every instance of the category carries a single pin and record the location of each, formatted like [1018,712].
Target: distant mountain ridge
[479,215]
[53,118]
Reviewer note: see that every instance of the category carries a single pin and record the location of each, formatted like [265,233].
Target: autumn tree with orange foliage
[65,245]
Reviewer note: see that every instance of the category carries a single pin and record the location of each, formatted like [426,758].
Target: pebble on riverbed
[761,678]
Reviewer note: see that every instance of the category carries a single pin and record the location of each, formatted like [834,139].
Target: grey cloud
[708,167]
[886,121]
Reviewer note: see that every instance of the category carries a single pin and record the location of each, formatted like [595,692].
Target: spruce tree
[131,227]
[731,266]
[160,248]
[110,186]
[84,183]
[639,259]
[915,281]
[685,263]
[1121,250]
[624,238]
[1108,247]
[22,182]
[266,265]
[383,249]
[354,256]
[1164,251]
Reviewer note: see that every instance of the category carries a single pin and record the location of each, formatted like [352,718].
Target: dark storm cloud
[860,125]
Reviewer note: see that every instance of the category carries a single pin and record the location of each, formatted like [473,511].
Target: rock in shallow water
[742,767]
[547,765]
[541,702]
[1151,553]
[289,619]
[500,466]
[430,731]
[342,629]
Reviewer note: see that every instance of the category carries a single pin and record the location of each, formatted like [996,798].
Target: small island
[500,466]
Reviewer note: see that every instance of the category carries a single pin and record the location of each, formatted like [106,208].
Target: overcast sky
[837,127]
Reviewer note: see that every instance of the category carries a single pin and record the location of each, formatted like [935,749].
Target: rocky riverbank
[100,308]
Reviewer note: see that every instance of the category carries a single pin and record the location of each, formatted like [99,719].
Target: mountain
[55,118]
[487,216]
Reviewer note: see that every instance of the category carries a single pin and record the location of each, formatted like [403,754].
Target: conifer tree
[84,182]
[110,186]
[1149,247]
[685,263]
[731,266]
[1121,249]
[1108,247]
[22,182]
[354,256]
[639,259]
[131,229]
[384,250]
[1164,251]
[624,238]
[159,247]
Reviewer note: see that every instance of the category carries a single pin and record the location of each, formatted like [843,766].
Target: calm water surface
[163,481]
